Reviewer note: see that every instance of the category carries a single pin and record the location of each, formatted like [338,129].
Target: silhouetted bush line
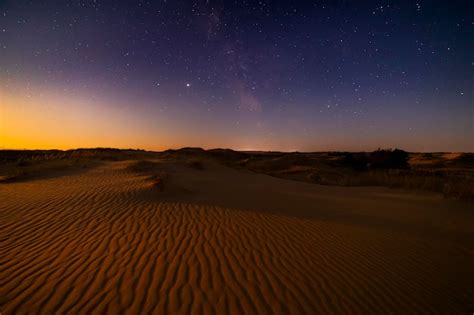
[388,159]
[380,159]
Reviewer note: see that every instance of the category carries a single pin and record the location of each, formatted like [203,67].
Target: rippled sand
[223,241]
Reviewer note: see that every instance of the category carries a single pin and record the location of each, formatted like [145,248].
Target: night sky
[247,75]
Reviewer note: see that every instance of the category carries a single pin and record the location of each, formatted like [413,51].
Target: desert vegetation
[451,174]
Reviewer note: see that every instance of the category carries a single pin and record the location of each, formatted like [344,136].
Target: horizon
[224,148]
[249,76]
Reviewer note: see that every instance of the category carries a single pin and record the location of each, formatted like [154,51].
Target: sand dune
[224,241]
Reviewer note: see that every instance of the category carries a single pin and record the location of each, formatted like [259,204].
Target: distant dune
[184,233]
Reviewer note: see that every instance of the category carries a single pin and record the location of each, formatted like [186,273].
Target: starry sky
[247,75]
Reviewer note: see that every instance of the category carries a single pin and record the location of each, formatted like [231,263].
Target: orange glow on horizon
[42,118]
[52,121]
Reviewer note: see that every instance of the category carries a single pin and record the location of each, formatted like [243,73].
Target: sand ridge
[104,241]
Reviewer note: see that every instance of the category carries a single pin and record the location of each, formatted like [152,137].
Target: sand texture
[225,241]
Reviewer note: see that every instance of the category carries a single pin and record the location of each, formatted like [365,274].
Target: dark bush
[356,161]
[388,159]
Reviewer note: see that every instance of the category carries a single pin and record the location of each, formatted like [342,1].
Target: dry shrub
[452,185]
[329,178]
[459,189]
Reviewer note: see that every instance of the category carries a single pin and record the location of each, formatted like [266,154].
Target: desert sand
[226,241]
